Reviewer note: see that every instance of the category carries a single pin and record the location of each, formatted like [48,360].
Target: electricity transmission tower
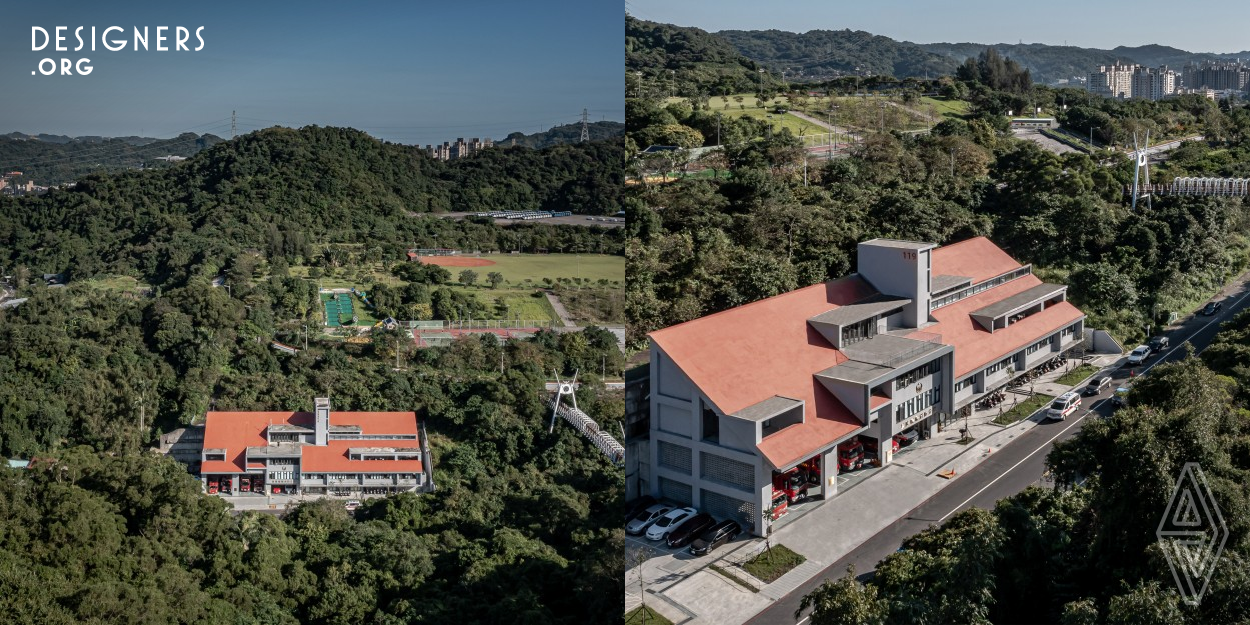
[585,128]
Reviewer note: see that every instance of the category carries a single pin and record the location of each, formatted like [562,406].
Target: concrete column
[829,473]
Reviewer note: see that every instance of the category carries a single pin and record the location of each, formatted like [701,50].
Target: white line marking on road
[1013,467]
[1193,334]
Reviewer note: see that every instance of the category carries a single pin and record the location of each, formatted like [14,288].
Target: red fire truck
[795,482]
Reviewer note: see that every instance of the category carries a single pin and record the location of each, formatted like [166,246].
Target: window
[711,425]
[980,287]
[918,403]
[1044,343]
[964,383]
[999,366]
[925,370]
[859,331]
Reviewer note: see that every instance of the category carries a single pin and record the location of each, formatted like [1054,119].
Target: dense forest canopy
[683,61]
[102,530]
[281,191]
[821,54]
[51,162]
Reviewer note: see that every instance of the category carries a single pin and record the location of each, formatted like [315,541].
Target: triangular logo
[1186,514]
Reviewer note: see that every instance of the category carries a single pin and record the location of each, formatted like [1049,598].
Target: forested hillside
[683,61]
[50,162]
[568,133]
[101,530]
[819,54]
[280,191]
[822,54]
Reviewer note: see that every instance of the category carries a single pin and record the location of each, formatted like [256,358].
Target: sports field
[517,268]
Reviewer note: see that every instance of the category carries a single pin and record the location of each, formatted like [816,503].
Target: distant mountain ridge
[823,54]
[49,161]
[568,133]
[47,138]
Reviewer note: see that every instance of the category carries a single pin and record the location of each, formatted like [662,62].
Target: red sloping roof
[876,401]
[236,431]
[831,422]
[975,346]
[333,459]
[976,258]
[744,355]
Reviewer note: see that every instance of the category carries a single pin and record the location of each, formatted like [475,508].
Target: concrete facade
[894,378]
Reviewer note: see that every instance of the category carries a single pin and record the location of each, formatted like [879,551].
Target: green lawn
[523,277]
[1076,375]
[949,109]
[1023,409]
[643,614]
[772,564]
[527,304]
[516,268]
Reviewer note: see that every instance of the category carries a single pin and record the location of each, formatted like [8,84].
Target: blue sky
[413,72]
[1207,26]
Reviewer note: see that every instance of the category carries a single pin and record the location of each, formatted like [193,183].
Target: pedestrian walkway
[824,531]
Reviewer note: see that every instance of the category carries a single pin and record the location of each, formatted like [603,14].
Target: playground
[346,307]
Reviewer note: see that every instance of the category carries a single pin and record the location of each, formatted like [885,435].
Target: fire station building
[742,397]
[318,453]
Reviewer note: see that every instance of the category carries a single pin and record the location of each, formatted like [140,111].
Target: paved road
[1009,471]
[1042,140]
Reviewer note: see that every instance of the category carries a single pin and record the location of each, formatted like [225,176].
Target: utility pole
[718,129]
[232,120]
[952,162]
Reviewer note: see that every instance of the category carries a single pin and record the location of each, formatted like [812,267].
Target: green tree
[844,602]
[468,277]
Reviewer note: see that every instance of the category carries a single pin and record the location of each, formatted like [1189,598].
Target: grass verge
[643,614]
[1023,409]
[733,578]
[772,564]
[1076,375]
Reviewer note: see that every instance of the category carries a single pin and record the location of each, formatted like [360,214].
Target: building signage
[916,418]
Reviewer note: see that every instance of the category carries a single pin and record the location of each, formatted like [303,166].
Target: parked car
[906,438]
[1063,406]
[351,505]
[1120,398]
[638,505]
[1139,355]
[720,534]
[1211,308]
[669,522]
[690,529]
[1097,385]
[1158,343]
[644,519]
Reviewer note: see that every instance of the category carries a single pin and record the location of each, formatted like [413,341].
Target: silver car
[640,523]
[669,522]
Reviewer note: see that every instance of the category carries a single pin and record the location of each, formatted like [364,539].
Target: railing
[588,428]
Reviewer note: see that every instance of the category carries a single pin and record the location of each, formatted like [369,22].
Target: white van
[1063,406]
